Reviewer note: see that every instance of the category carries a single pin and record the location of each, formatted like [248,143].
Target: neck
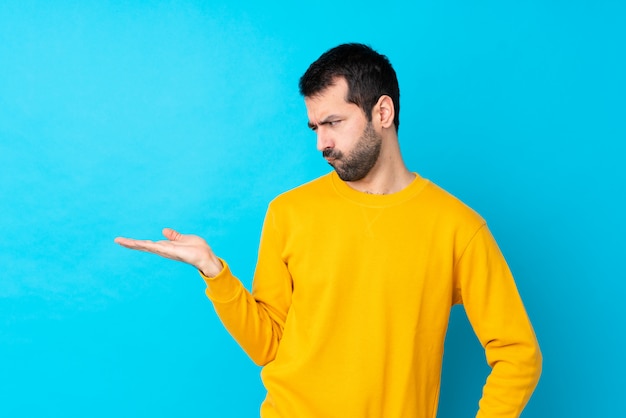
[389,174]
[384,183]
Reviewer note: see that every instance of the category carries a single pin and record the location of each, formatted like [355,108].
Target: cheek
[352,137]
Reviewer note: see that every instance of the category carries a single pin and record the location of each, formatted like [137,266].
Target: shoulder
[304,194]
[446,207]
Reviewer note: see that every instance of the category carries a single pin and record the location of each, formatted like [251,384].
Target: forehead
[330,100]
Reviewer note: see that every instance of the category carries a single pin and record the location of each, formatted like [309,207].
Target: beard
[359,162]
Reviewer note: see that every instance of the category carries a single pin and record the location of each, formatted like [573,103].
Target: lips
[330,155]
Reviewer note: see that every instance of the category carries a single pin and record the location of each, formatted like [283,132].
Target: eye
[334,122]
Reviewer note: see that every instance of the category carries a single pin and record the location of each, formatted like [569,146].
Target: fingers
[162,248]
[137,244]
[122,241]
[171,234]
[147,245]
[134,243]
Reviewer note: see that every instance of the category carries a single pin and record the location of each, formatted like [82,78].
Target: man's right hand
[190,249]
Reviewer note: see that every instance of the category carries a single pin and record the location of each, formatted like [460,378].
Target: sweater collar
[375,200]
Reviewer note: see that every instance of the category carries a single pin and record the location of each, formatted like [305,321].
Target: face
[346,139]
[360,160]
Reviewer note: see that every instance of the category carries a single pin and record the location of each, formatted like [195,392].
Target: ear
[384,111]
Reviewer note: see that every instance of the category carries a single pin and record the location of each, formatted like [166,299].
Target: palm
[190,249]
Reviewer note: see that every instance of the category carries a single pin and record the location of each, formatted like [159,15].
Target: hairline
[332,83]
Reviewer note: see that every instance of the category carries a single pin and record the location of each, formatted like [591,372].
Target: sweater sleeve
[495,310]
[255,319]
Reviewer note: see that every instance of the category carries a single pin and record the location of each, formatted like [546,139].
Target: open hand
[190,249]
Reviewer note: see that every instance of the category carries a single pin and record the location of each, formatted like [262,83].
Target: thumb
[171,234]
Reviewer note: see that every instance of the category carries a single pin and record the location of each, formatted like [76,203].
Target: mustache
[331,153]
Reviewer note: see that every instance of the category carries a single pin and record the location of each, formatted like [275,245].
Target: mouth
[330,156]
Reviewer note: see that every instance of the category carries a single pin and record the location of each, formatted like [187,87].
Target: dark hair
[369,76]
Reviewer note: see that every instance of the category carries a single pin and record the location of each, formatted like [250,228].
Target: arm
[256,322]
[256,319]
[496,312]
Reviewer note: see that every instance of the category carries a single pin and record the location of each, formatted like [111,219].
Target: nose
[324,141]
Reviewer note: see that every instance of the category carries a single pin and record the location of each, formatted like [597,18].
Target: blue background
[120,118]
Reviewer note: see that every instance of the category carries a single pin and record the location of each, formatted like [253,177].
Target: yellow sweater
[351,299]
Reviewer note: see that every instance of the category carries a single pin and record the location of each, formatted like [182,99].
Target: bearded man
[358,271]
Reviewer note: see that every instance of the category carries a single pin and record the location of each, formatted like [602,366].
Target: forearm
[516,368]
[251,323]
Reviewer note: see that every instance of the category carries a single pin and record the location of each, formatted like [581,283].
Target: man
[358,271]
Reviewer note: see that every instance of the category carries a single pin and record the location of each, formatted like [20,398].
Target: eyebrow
[324,121]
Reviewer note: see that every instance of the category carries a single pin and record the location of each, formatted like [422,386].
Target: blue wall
[120,118]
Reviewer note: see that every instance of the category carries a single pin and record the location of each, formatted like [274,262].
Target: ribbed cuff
[222,288]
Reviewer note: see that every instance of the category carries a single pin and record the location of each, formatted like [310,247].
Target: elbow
[537,361]
[262,354]
[523,358]
[530,362]
[261,359]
